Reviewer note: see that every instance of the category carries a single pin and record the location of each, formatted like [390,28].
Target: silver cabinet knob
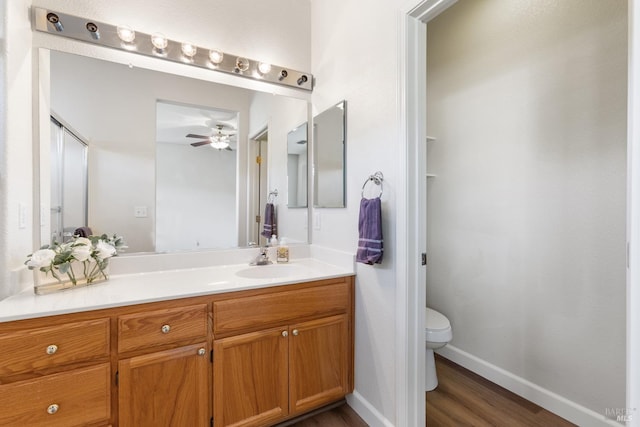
[52,409]
[52,349]
[202,352]
[295,332]
[285,334]
[166,329]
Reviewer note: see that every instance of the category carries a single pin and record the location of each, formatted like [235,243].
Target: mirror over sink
[147,180]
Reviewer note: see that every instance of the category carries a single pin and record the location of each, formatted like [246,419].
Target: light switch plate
[140,211]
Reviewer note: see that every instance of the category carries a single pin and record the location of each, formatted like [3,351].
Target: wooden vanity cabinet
[168,387]
[165,388]
[277,352]
[319,363]
[264,376]
[250,377]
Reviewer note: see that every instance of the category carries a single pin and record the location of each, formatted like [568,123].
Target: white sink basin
[271,271]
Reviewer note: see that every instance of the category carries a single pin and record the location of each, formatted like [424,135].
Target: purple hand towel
[270,226]
[370,229]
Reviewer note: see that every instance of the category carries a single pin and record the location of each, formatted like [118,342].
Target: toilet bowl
[437,331]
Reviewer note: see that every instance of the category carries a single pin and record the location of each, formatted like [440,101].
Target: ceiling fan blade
[191,135]
[229,149]
[199,143]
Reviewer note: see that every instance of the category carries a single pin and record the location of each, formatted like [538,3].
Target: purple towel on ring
[370,232]
[270,226]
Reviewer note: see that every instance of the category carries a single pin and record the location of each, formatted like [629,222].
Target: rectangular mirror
[329,136]
[297,167]
[152,178]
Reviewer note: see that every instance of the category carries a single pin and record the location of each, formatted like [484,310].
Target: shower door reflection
[68,182]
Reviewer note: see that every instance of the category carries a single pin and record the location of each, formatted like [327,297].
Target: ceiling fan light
[219,145]
[216,56]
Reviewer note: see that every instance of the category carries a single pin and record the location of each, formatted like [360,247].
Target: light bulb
[216,56]
[159,41]
[242,64]
[126,34]
[189,50]
[264,68]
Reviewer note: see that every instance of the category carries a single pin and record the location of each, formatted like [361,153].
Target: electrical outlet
[140,211]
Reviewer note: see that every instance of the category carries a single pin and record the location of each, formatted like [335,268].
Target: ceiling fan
[219,140]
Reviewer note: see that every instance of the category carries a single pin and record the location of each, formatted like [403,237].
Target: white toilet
[437,333]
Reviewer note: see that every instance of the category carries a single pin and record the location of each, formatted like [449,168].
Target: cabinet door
[250,378]
[319,356]
[166,388]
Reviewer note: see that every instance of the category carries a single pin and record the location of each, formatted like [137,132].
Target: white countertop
[129,289]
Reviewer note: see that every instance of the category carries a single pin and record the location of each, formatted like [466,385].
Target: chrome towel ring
[377,179]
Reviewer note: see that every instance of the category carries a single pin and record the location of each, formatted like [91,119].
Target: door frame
[633,216]
[411,277]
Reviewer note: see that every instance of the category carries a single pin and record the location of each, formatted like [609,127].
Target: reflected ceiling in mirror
[115,108]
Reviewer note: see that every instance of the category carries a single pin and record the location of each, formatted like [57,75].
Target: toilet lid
[435,321]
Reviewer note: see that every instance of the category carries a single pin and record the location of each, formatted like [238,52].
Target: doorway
[412,35]
[258,186]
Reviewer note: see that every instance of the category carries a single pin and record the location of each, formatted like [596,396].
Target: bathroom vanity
[252,348]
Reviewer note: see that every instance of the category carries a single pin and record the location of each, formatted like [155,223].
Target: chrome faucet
[262,258]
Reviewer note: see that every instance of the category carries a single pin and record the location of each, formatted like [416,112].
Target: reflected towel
[370,232]
[82,232]
[270,226]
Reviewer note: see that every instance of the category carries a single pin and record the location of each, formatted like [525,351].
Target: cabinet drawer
[34,349]
[160,327]
[257,311]
[72,398]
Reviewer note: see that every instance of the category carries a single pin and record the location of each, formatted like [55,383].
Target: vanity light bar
[157,46]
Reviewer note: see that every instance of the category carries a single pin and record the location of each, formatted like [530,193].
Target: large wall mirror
[329,138]
[155,175]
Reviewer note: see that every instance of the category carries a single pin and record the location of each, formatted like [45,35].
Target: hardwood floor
[466,399]
[338,416]
[462,399]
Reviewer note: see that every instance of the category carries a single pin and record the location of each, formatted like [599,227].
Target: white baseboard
[366,411]
[549,400]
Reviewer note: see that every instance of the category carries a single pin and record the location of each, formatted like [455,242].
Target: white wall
[16,179]
[526,217]
[355,57]
[195,198]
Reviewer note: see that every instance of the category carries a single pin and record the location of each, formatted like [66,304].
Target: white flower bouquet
[80,261]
